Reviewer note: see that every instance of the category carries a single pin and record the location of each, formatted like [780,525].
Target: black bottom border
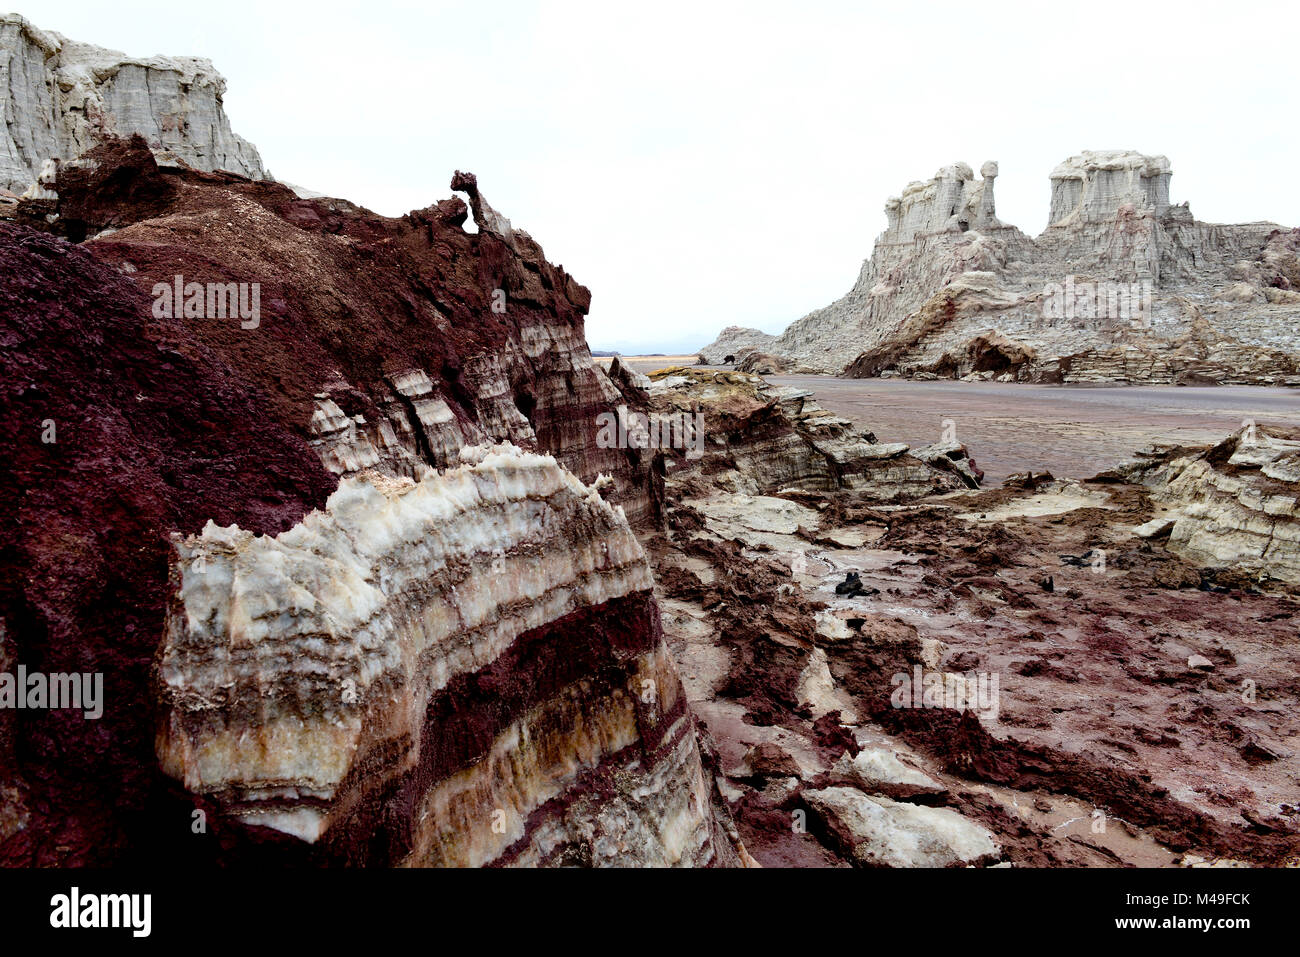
[338,908]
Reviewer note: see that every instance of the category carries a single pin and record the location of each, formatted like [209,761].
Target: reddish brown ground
[1099,709]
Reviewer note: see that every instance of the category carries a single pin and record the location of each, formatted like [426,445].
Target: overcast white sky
[705,164]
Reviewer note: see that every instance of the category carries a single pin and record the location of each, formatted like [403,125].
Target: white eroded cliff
[60,98]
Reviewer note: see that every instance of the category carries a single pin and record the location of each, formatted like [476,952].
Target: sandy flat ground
[1073,431]
[647,364]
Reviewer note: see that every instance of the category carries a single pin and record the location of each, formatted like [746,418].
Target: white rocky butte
[1095,184]
[951,210]
[736,341]
[1156,296]
[60,98]
[953,198]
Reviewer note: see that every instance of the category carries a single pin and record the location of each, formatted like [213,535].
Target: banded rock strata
[480,644]
[1232,506]
[951,291]
[61,98]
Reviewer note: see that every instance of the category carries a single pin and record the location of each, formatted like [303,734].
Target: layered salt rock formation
[1232,506]
[490,610]
[759,438]
[447,672]
[880,832]
[952,198]
[953,210]
[1121,286]
[61,98]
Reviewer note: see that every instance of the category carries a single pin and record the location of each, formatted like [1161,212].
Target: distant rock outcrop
[1121,286]
[61,98]
[764,438]
[762,363]
[733,343]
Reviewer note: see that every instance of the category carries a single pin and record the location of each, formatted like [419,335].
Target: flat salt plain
[1070,431]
